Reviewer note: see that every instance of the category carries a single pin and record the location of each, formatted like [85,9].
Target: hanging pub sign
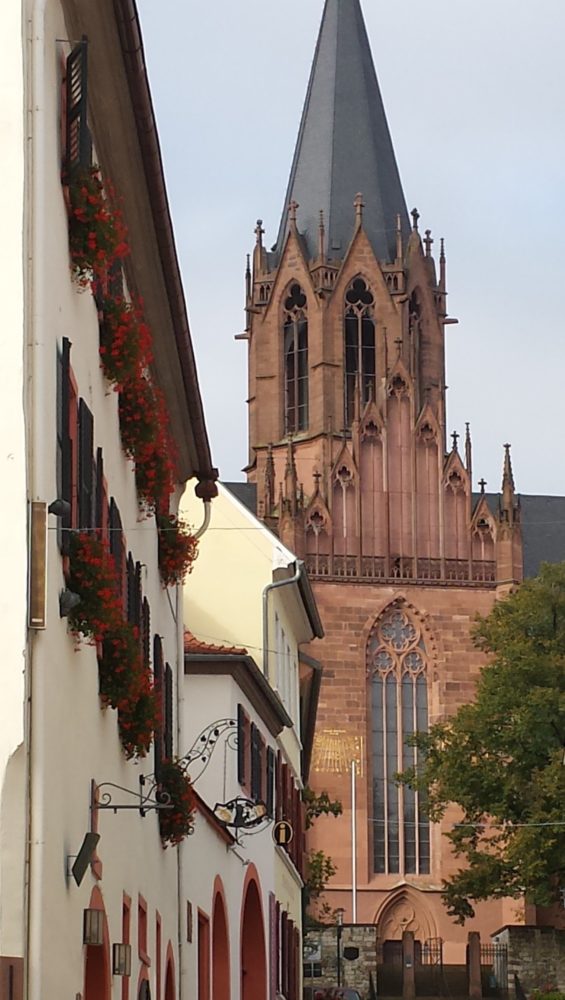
[240,813]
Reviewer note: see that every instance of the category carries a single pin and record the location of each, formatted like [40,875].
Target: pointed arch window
[398,670]
[360,361]
[295,361]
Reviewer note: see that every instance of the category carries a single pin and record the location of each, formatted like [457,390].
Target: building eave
[250,680]
[127,144]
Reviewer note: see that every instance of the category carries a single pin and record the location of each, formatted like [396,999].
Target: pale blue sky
[475,95]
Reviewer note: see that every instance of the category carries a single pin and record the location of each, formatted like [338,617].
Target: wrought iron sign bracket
[149,798]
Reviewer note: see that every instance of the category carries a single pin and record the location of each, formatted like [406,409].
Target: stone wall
[356,973]
[536,955]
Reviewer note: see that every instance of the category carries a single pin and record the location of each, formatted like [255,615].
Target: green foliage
[501,759]
[319,866]
[319,805]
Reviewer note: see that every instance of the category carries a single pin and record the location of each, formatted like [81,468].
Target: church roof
[543,529]
[344,145]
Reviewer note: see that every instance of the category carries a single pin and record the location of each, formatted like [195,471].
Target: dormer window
[359,346]
[295,361]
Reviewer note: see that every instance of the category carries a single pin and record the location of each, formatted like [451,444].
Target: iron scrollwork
[149,798]
[204,744]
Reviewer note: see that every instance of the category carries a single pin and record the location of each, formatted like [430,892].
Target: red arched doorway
[253,960]
[220,950]
[97,959]
[170,982]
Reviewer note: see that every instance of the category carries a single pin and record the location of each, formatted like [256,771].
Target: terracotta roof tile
[194,645]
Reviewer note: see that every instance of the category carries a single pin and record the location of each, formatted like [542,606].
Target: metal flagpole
[353,843]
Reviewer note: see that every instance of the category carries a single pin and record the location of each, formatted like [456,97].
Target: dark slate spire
[344,145]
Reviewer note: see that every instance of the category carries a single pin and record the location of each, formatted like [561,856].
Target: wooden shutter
[85,468]
[78,144]
[116,544]
[278,788]
[270,792]
[99,498]
[116,280]
[145,632]
[159,680]
[64,446]
[130,588]
[255,763]
[168,712]
[241,747]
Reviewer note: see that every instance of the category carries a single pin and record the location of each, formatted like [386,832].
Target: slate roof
[344,145]
[543,529]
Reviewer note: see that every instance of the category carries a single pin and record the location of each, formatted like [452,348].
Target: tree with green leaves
[501,759]
[319,865]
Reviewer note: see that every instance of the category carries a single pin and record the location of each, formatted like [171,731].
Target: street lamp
[339,931]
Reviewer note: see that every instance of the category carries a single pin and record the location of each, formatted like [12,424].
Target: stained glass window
[397,662]
[295,361]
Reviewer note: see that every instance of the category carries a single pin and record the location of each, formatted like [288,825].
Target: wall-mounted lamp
[67,601]
[60,508]
[121,959]
[93,927]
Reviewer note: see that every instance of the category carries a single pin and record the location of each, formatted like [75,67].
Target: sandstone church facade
[352,464]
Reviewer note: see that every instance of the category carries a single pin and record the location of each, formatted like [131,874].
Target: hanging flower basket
[177,823]
[178,549]
[125,341]
[97,232]
[120,666]
[93,578]
[139,718]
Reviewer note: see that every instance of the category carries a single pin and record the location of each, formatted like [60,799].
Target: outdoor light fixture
[93,927]
[60,508]
[67,601]
[121,959]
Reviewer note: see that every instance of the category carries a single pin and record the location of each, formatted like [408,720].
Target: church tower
[356,471]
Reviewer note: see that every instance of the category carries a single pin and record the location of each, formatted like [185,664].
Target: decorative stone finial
[455,438]
[415,216]
[482,484]
[321,236]
[428,242]
[259,232]
[442,250]
[359,206]
[292,210]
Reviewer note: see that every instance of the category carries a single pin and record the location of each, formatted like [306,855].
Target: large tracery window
[397,662]
[295,361]
[359,346]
